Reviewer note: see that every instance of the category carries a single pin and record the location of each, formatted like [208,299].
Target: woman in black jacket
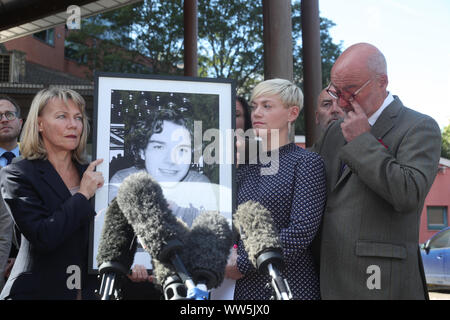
[48,195]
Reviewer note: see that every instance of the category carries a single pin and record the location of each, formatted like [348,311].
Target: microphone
[171,284]
[208,246]
[167,279]
[141,199]
[262,243]
[115,251]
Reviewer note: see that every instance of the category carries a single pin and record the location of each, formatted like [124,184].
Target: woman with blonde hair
[47,193]
[293,191]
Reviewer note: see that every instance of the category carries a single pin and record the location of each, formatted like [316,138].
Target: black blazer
[55,232]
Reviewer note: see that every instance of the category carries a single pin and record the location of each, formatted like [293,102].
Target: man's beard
[9,137]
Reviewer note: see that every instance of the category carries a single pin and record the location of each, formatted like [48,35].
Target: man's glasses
[9,115]
[339,95]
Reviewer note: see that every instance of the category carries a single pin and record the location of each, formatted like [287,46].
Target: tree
[329,53]
[118,41]
[445,149]
[230,41]
[158,32]
[104,42]
[230,37]
[329,50]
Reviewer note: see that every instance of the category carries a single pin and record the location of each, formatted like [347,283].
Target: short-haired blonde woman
[48,193]
[295,194]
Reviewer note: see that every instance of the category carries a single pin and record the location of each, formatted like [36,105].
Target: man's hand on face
[355,122]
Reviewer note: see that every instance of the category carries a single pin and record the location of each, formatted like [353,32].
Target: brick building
[31,63]
[435,215]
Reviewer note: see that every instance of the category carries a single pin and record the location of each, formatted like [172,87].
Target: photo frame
[140,120]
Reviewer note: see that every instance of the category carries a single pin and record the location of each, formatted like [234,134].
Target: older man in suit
[381,161]
[10,126]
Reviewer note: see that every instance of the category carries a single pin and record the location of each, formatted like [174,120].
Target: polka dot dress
[295,195]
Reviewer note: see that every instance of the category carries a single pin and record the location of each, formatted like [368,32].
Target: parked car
[436,260]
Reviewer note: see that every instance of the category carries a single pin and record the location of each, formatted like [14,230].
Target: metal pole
[278,59]
[312,67]
[277,33]
[190,38]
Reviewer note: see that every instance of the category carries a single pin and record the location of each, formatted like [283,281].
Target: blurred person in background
[10,126]
[327,111]
[243,120]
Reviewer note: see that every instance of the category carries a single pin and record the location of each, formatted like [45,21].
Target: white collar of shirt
[3,160]
[373,118]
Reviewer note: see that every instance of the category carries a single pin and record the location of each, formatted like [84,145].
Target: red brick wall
[47,55]
[439,195]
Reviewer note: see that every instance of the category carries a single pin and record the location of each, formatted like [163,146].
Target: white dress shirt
[373,118]
[3,160]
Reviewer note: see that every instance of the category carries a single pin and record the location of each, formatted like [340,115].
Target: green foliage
[329,52]
[445,148]
[158,27]
[125,40]
[230,41]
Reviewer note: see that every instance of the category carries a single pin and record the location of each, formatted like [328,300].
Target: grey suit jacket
[6,234]
[370,230]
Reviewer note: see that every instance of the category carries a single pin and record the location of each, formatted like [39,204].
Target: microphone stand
[112,273]
[271,262]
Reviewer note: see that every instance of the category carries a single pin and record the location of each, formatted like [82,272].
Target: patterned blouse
[295,195]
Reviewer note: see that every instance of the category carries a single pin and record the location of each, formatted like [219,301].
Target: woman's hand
[91,180]
[231,270]
[139,274]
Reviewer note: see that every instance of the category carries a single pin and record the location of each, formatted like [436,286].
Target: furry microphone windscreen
[259,231]
[207,248]
[116,240]
[141,199]
[161,271]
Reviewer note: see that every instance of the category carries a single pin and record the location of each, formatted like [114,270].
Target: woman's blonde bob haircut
[31,143]
[289,93]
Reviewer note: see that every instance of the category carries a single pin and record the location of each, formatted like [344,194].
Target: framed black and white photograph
[179,130]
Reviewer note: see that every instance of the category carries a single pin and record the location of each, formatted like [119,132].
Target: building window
[47,36]
[5,60]
[436,217]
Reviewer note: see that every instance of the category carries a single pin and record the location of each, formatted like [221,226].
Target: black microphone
[141,199]
[207,248]
[115,252]
[262,243]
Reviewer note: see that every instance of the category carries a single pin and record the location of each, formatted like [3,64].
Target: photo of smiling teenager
[168,153]
[162,145]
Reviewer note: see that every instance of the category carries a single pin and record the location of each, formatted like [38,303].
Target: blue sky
[414,36]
